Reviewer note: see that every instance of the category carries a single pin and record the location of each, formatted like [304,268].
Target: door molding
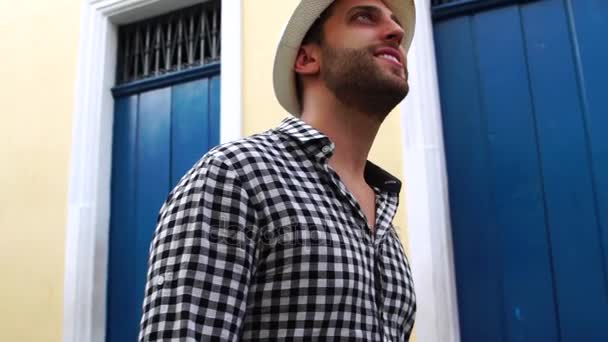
[428,214]
[88,221]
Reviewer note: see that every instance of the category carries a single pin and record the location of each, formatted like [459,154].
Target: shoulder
[237,161]
[249,156]
[246,150]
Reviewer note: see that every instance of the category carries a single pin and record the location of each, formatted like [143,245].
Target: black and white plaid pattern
[261,241]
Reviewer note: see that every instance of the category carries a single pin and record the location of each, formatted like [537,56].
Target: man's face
[362,61]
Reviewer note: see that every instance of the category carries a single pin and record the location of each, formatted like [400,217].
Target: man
[288,235]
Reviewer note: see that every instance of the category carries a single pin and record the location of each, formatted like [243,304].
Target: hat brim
[284,78]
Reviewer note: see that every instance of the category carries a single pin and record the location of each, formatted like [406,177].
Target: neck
[352,131]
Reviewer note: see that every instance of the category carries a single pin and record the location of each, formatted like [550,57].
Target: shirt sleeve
[201,259]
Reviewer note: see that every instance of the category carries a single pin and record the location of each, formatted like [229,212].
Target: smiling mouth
[392,60]
[389,58]
[395,64]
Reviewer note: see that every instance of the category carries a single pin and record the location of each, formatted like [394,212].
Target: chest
[315,250]
[317,223]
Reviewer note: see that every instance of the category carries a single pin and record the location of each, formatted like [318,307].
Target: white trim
[231,93]
[88,223]
[430,239]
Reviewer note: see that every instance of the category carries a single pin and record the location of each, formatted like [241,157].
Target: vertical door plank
[589,19]
[122,255]
[477,251]
[214,110]
[153,163]
[190,126]
[516,177]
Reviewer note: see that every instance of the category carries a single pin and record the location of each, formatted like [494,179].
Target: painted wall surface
[262,28]
[37,67]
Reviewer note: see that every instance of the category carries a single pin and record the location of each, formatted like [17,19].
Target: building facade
[505,115]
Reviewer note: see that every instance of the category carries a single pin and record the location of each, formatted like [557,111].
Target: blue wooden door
[524,98]
[159,134]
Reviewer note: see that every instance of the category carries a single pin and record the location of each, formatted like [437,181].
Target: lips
[390,54]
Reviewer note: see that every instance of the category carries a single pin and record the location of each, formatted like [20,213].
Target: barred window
[173,42]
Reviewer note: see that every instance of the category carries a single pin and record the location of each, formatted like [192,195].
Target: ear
[307,61]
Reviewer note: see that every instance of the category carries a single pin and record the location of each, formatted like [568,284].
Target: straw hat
[301,20]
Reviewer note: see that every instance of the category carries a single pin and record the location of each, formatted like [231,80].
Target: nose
[394,32]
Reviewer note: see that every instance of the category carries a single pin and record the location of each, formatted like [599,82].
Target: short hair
[315,32]
[315,35]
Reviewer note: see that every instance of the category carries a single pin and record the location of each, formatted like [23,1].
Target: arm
[201,259]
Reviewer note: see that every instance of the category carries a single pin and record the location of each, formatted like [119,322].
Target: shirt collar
[318,145]
[300,130]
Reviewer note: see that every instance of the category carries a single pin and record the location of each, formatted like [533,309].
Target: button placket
[371,239]
[384,217]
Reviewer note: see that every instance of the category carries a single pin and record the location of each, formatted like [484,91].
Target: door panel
[524,158]
[570,207]
[158,136]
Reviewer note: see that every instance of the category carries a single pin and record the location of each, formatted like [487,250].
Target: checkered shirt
[261,241]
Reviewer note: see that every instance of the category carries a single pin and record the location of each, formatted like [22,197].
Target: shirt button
[326,149]
[160,280]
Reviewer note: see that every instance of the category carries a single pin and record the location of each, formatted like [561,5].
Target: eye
[363,16]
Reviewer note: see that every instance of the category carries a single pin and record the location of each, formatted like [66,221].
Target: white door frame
[428,214]
[87,231]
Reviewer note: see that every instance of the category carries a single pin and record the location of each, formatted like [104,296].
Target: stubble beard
[358,81]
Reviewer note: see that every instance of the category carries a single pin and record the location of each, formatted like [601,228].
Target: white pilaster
[231,90]
[430,239]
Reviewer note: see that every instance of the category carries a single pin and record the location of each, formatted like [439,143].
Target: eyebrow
[374,9]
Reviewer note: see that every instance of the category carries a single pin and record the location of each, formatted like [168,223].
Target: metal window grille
[176,41]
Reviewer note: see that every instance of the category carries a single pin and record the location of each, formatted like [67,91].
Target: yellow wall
[37,68]
[261,32]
